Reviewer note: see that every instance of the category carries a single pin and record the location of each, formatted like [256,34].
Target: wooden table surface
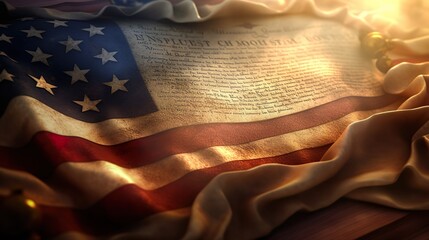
[349,219]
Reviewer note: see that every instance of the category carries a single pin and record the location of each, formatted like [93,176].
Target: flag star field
[71,67]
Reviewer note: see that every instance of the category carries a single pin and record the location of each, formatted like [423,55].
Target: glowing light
[407,13]
[371,4]
[282,2]
[30,203]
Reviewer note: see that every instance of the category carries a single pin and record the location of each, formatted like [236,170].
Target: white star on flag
[77,74]
[32,32]
[71,44]
[41,83]
[4,75]
[117,84]
[88,104]
[5,38]
[58,23]
[93,30]
[106,56]
[39,56]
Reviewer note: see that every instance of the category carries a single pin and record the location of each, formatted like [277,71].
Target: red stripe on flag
[47,150]
[129,204]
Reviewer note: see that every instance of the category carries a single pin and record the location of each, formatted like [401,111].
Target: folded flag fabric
[83,135]
[89,6]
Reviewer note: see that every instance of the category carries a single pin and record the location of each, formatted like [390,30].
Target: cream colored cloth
[383,159]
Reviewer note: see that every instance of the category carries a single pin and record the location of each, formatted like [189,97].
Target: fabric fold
[381,159]
[371,162]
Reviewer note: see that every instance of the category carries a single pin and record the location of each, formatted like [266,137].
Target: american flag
[92,6]
[75,136]
[39,59]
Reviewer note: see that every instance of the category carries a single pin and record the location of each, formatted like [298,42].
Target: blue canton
[82,69]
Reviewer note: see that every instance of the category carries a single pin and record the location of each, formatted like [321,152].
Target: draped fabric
[137,174]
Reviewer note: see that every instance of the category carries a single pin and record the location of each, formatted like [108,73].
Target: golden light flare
[30,203]
[406,12]
[282,2]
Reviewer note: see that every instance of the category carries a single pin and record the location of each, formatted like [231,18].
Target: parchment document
[249,69]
